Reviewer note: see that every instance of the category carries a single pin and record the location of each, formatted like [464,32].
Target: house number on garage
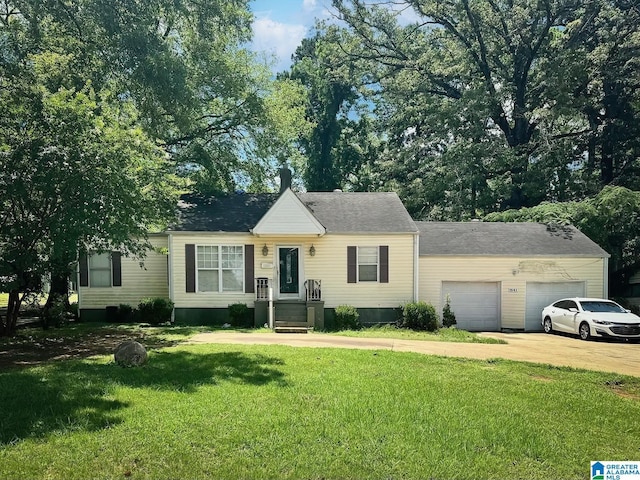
[513,290]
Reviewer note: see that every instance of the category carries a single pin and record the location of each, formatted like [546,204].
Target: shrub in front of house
[239,315]
[126,313]
[347,318]
[418,316]
[448,317]
[155,310]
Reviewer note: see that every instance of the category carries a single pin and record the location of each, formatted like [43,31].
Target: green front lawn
[230,411]
[442,335]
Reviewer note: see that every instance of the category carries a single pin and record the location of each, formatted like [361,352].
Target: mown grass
[229,411]
[179,333]
[441,335]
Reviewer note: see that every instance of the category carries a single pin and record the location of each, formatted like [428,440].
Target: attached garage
[498,276]
[541,294]
[476,304]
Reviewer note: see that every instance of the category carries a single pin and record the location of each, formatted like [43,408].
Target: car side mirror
[573,310]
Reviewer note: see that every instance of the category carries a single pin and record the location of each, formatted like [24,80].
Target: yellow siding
[138,282]
[513,273]
[328,265]
[181,298]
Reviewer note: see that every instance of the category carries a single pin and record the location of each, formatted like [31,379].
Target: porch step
[291,327]
[291,330]
[291,323]
[291,312]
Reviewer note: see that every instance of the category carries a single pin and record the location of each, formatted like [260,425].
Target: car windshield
[595,306]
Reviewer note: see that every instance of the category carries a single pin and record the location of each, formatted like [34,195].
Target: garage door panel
[541,294]
[476,305]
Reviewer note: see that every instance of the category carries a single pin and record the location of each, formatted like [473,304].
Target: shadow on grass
[79,396]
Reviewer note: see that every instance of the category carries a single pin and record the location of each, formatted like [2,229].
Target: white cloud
[279,39]
[407,14]
[308,5]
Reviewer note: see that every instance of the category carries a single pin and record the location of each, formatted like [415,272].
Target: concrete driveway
[607,356]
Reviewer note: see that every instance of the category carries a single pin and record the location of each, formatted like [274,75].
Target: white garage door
[540,294]
[476,305]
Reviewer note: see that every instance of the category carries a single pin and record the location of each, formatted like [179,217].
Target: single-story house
[306,253]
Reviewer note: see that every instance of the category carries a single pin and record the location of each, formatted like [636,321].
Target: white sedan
[590,317]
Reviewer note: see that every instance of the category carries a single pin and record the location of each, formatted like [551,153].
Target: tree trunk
[8,326]
[62,258]
[59,290]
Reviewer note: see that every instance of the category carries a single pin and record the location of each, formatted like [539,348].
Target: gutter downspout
[605,278]
[416,266]
[170,275]
[78,286]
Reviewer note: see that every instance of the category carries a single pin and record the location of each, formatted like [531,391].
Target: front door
[288,271]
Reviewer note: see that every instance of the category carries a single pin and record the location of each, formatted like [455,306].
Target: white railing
[314,290]
[262,288]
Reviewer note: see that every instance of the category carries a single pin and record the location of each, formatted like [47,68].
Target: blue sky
[280,26]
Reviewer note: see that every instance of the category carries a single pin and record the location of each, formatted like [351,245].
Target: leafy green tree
[493,105]
[601,60]
[176,70]
[338,142]
[79,174]
[468,73]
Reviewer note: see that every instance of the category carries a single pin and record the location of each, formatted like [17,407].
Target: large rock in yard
[130,354]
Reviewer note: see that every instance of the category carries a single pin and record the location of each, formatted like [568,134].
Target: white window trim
[377,264]
[220,269]
[89,269]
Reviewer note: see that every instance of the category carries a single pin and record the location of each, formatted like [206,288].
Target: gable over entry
[288,216]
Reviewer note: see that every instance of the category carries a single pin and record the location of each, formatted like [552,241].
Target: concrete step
[291,329]
[291,323]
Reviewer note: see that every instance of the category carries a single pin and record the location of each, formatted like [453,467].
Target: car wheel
[584,331]
[547,325]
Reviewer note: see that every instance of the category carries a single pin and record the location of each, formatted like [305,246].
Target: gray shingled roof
[338,212]
[357,212]
[504,239]
[230,213]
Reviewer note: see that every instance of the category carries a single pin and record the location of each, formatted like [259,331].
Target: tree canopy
[492,105]
[104,105]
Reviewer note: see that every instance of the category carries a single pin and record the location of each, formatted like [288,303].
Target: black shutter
[116,269]
[249,286]
[83,262]
[352,266]
[190,267]
[384,263]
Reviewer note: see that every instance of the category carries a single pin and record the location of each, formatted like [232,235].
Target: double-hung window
[100,270]
[367,264]
[220,268]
